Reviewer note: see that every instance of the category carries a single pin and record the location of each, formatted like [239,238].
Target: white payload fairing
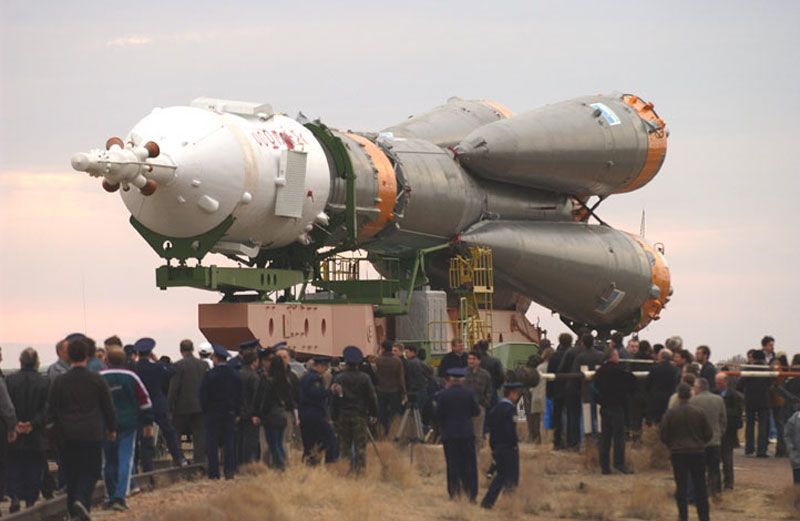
[466,171]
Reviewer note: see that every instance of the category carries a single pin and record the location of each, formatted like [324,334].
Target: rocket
[467,172]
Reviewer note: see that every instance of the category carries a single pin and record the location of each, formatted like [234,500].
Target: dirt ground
[554,485]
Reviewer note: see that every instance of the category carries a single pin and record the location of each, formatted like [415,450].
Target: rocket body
[466,169]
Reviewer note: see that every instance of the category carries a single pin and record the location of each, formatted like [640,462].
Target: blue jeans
[119,465]
[275,443]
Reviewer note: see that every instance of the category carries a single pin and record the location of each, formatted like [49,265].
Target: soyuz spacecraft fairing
[466,172]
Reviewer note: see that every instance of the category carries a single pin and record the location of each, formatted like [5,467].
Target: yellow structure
[472,276]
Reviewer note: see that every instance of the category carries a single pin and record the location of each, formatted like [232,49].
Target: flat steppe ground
[553,485]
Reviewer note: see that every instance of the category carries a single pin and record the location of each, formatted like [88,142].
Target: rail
[56,508]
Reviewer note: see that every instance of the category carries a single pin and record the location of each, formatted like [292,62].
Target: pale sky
[723,75]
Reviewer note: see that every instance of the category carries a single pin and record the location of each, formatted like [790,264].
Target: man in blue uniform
[221,402]
[455,408]
[155,377]
[315,427]
[504,443]
[236,362]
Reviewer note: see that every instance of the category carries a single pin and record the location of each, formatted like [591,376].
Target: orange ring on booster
[497,107]
[656,144]
[660,277]
[387,188]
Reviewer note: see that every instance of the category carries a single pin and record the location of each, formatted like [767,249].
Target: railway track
[56,509]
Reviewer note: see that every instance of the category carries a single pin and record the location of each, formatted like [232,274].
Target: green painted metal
[344,169]
[186,247]
[383,293]
[514,354]
[228,280]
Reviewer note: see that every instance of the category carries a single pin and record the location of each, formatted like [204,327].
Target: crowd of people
[97,412]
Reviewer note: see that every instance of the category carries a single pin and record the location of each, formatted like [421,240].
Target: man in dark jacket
[492,365]
[708,370]
[391,389]
[555,389]
[572,389]
[504,442]
[249,425]
[685,430]
[614,385]
[734,403]
[416,379]
[221,403]
[80,408]
[183,399]
[756,403]
[455,407]
[155,376]
[455,358]
[480,381]
[28,392]
[354,403]
[660,385]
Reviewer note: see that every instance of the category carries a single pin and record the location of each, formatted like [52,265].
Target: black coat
[614,384]
[455,408]
[572,387]
[734,403]
[155,377]
[660,385]
[184,386]
[221,391]
[28,390]
[79,405]
[555,388]
[756,391]
[450,361]
[502,428]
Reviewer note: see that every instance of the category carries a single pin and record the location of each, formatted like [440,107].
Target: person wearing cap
[183,401]
[614,385]
[456,405]
[314,399]
[236,362]
[504,443]
[249,427]
[221,403]
[204,351]
[155,377]
[685,431]
[354,405]
[81,412]
[756,407]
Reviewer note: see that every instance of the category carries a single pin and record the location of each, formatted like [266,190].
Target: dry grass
[787,500]
[642,503]
[553,485]
[651,455]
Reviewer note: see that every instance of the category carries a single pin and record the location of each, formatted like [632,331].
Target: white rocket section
[245,165]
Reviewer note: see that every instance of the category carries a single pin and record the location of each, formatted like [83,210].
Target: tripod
[413,416]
